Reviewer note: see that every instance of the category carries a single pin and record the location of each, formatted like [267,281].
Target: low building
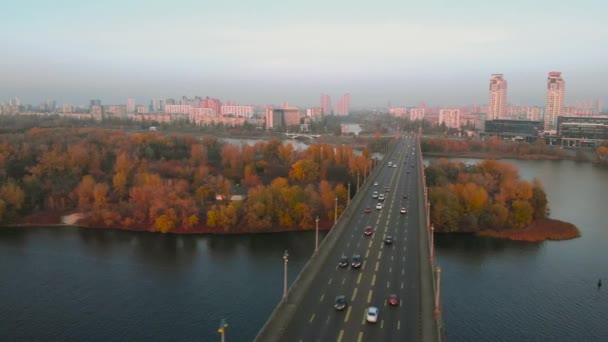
[582,130]
[515,129]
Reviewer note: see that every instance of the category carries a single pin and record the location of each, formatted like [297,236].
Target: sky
[400,52]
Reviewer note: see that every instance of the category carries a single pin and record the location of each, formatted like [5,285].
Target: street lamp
[222,329]
[285,258]
[336,211]
[317,236]
[348,197]
[437,310]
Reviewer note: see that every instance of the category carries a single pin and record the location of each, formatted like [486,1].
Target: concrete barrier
[281,316]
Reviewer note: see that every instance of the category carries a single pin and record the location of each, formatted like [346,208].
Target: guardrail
[427,256]
[282,315]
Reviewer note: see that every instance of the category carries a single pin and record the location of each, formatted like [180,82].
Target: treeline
[148,181]
[488,195]
[490,145]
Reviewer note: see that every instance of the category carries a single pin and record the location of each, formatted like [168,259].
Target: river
[99,285]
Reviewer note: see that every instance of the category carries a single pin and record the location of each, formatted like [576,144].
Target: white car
[394,165]
[403,211]
[375,194]
[372,314]
[379,206]
[375,183]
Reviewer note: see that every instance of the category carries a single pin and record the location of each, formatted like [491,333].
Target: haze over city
[271,51]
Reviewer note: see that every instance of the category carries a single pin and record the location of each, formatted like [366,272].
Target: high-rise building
[343,105]
[325,104]
[450,117]
[498,97]
[130,106]
[554,107]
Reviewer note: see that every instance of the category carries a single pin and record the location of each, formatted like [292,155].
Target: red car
[368,210]
[368,231]
[393,300]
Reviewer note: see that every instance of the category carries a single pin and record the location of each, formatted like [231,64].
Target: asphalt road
[386,269]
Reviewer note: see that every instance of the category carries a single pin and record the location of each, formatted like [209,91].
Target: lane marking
[374,280]
[381,324]
[347,315]
[377,265]
[403,271]
[340,335]
[398,325]
[370,244]
[363,266]
[390,270]
[352,298]
[369,296]
[388,284]
[379,254]
[360,338]
[311,318]
[359,279]
[391,258]
[343,280]
[327,320]
[348,244]
[322,296]
[367,253]
[329,282]
[401,284]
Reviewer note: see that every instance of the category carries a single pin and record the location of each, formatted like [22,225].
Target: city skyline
[271,52]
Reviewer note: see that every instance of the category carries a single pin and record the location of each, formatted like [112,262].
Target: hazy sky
[271,51]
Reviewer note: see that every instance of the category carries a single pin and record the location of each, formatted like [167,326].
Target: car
[403,211]
[379,206]
[388,240]
[372,314]
[412,166]
[394,165]
[343,261]
[386,188]
[408,172]
[404,195]
[375,183]
[368,230]
[356,263]
[390,164]
[393,300]
[340,303]
[368,210]
[375,194]
[381,197]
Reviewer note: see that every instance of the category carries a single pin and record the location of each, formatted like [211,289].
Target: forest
[173,183]
[488,195]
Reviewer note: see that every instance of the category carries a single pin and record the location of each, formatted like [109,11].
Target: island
[174,183]
[490,199]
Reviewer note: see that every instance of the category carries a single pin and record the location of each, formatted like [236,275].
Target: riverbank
[494,155]
[537,231]
[79,220]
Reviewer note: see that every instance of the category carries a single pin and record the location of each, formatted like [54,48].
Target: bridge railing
[427,255]
[283,313]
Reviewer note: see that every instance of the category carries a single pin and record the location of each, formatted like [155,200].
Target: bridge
[302,135]
[404,267]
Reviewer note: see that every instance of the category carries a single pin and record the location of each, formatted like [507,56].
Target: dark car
[340,303]
[393,300]
[368,231]
[388,240]
[404,195]
[356,261]
[343,261]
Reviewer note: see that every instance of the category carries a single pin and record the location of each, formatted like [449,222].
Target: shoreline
[496,156]
[537,231]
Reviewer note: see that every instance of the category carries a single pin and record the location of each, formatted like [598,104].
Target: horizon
[271,52]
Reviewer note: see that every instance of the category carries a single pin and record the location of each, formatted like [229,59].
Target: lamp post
[222,329]
[358,180]
[437,310]
[336,211]
[432,244]
[348,197]
[317,236]
[285,257]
